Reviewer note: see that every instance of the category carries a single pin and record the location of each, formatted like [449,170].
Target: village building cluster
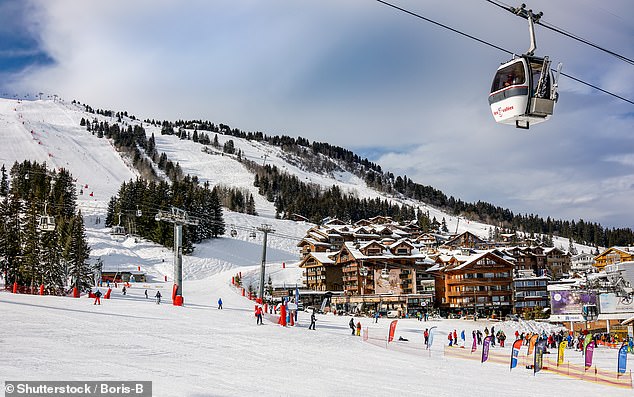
[380,266]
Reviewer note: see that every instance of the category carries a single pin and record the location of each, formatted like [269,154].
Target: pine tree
[4,182]
[218,228]
[76,254]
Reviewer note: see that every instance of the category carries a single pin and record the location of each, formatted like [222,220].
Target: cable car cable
[566,33]
[497,47]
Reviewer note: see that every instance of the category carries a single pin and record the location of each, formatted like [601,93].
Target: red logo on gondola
[500,111]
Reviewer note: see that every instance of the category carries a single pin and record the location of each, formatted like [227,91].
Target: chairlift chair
[46,223]
[117,230]
[252,235]
[234,232]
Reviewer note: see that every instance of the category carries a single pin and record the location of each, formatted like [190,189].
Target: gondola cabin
[524,92]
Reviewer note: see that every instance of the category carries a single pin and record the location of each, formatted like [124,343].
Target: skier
[450,338]
[146,294]
[312,321]
[158,297]
[455,337]
[359,328]
[123,290]
[97,298]
[426,335]
[219,303]
[376,316]
[493,336]
[258,314]
[351,324]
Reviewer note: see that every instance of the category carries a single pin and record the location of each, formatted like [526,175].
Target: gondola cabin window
[511,75]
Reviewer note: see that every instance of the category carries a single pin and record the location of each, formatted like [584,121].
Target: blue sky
[360,75]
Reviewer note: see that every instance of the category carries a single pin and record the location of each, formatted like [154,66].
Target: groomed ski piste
[200,350]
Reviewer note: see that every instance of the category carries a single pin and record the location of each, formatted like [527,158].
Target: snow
[198,350]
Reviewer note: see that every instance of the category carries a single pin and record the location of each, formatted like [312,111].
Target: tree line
[137,203]
[31,254]
[319,156]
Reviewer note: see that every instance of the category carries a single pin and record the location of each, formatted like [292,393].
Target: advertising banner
[392,329]
[570,302]
[389,285]
[540,347]
[622,359]
[610,304]
[515,352]
[430,341]
[560,352]
[485,348]
[589,353]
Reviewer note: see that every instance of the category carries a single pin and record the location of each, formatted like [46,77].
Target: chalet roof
[625,250]
[551,249]
[387,254]
[467,233]
[321,257]
[402,242]
[312,241]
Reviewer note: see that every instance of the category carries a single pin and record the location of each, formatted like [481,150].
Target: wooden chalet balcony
[480,281]
[481,294]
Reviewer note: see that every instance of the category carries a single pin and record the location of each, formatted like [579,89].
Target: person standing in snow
[313,319]
[158,297]
[359,328]
[351,324]
[376,316]
[97,298]
[146,294]
[123,290]
[426,335]
[258,314]
[219,303]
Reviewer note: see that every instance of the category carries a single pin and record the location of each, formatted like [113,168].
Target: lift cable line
[496,47]
[561,31]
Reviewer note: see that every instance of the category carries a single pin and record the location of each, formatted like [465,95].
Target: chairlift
[117,230]
[234,232]
[252,235]
[46,223]
[524,89]
[138,212]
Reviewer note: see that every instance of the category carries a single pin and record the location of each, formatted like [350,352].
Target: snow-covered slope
[198,350]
